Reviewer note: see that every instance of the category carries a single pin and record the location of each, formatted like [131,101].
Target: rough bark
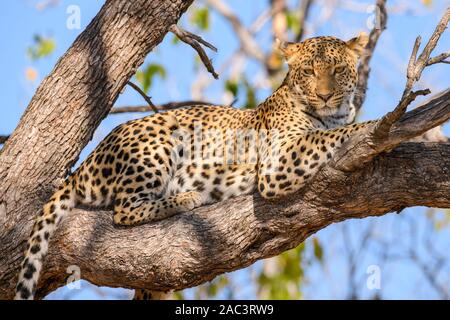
[67,108]
[191,248]
[194,247]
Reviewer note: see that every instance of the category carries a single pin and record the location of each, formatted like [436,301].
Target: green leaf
[232,86]
[175,40]
[318,250]
[292,22]
[282,276]
[41,48]
[250,102]
[178,295]
[211,289]
[200,18]
[145,77]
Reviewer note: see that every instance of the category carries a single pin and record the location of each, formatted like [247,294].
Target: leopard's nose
[324,96]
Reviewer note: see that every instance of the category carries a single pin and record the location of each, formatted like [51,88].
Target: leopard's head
[323,71]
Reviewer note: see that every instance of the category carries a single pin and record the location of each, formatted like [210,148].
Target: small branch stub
[439,59]
[381,137]
[142,93]
[416,65]
[3,139]
[383,127]
[195,42]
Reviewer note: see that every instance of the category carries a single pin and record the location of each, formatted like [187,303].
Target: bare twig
[414,71]
[264,228]
[430,269]
[364,68]
[248,43]
[382,138]
[439,59]
[384,126]
[416,65]
[129,109]
[353,254]
[279,22]
[142,93]
[194,41]
[238,57]
[358,151]
[305,6]
[165,106]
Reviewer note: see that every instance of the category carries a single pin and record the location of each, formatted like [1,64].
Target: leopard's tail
[59,206]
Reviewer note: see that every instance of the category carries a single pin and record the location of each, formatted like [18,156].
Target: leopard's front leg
[300,158]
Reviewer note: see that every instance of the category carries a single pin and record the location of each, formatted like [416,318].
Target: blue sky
[20,20]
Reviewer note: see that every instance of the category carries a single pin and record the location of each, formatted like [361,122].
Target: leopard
[172,162]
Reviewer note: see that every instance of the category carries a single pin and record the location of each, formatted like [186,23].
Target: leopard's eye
[308,71]
[339,69]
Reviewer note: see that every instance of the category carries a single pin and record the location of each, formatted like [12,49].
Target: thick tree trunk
[191,248]
[194,247]
[65,111]
[188,249]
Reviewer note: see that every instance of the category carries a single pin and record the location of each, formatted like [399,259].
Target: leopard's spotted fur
[148,174]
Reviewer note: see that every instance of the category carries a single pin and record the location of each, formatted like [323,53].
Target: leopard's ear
[358,43]
[287,48]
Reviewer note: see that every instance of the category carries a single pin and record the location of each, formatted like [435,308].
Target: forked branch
[439,59]
[381,138]
[417,64]
[233,234]
[195,42]
[394,128]
[364,65]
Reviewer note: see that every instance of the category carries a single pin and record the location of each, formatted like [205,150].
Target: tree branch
[194,41]
[305,6]
[364,65]
[65,111]
[165,106]
[279,21]
[391,130]
[380,139]
[146,97]
[3,139]
[139,109]
[248,44]
[439,58]
[194,247]
[417,64]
